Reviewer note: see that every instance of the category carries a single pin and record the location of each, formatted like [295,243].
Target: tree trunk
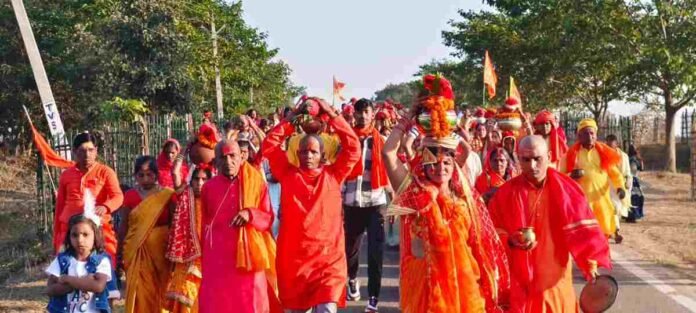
[670,115]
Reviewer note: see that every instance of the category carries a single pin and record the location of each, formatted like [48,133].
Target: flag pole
[50,177]
[483,94]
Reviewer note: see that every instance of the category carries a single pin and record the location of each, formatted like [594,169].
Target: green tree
[666,63]
[403,93]
[562,53]
[157,52]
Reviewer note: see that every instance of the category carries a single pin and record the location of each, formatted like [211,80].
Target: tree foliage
[157,52]
[578,54]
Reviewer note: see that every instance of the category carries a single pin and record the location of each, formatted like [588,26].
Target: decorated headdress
[437,99]
[490,113]
[512,103]
[207,136]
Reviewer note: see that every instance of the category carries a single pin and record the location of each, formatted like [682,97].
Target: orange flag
[337,88]
[50,156]
[514,93]
[490,79]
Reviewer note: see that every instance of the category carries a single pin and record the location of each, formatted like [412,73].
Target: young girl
[78,275]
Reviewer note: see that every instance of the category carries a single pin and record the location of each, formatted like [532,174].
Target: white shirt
[80,301]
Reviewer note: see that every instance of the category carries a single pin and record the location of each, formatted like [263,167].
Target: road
[644,287]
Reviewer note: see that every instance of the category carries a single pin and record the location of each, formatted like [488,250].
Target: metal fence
[687,119]
[620,126]
[120,143]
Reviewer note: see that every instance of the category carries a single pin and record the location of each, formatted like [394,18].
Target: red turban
[545,116]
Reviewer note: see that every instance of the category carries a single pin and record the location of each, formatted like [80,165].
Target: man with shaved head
[311,261]
[234,204]
[544,218]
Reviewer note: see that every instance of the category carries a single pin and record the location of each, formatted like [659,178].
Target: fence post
[693,159]
[146,137]
[169,125]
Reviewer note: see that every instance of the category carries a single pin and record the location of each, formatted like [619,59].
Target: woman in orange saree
[144,247]
[451,257]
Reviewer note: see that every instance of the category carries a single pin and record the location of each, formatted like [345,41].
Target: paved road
[644,287]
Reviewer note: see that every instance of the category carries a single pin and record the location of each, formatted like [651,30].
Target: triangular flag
[337,88]
[514,93]
[490,79]
[50,156]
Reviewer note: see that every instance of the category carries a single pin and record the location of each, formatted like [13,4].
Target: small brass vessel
[528,234]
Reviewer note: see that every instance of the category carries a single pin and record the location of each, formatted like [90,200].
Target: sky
[365,43]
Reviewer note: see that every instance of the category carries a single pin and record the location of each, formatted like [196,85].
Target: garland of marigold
[205,142]
[438,107]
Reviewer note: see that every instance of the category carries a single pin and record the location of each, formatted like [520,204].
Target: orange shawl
[256,250]
[609,156]
[379,172]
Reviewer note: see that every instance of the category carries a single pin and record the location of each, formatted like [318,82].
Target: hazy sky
[365,43]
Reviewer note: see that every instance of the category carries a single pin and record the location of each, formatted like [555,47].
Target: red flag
[50,156]
[337,88]
[514,93]
[490,79]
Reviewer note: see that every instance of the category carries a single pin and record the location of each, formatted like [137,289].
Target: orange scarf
[256,250]
[379,172]
[609,157]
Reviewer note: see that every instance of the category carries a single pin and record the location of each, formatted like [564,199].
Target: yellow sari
[147,268]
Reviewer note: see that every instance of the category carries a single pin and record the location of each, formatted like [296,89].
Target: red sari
[311,261]
[164,166]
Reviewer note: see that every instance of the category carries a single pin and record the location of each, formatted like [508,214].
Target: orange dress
[541,279]
[102,182]
[311,260]
[451,258]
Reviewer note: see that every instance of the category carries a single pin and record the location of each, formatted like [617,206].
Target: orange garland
[438,107]
[205,142]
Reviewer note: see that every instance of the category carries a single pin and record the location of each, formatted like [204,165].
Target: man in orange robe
[311,259]
[100,180]
[544,218]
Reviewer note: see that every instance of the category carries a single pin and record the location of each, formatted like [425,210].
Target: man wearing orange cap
[546,125]
[593,165]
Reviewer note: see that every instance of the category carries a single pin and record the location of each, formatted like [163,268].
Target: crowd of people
[270,215]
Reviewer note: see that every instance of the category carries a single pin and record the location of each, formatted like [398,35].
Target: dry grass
[667,233]
[23,255]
